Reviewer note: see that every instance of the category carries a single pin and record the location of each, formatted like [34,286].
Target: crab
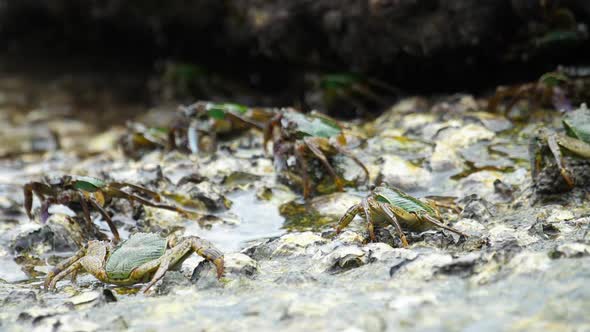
[574,142]
[399,209]
[304,137]
[144,257]
[557,89]
[88,192]
[208,120]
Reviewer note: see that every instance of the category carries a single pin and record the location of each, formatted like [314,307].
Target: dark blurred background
[305,53]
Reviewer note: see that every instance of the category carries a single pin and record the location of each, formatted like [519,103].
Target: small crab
[208,120]
[87,191]
[144,257]
[575,142]
[398,208]
[305,137]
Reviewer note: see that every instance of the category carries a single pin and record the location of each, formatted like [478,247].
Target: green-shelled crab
[199,124]
[298,139]
[389,204]
[144,257]
[194,129]
[549,146]
[88,192]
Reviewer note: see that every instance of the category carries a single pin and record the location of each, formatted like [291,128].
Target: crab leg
[119,185]
[268,130]
[105,215]
[245,121]
[355,159]
[367,211]
[314,148]
[556,151]
[206,250]
[176,255]
[348,217]
[85,209]
[59,268]
[299,150]
[28,190]
[53,281]
[122,194]
[430,219]
[164,264]
[451,206]
[391,216]
[535,147]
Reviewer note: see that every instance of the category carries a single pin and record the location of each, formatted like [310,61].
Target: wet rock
[560,215]
[445,158]
[210,196]
[401,257]
[240,179]
[494,122]
[87,300]
[343,259]
[480,156]
[52,236]
[570,250]
[549,181]
[464,136]
[545,230]
[480,183]
[295,278]
[66,323]
[157,220]
[296,244]
[403,174]
[350,237]
[424,266]
[470,226]
[503,189]
[397,265]
[406,303]
[11,271]
[204,276]
[177,280]
[463,266]
[477,208]
[502,233]
[20,298]
[334,205]
[438,238]
[261,249]
[379,252]
[240,265]
[38,316]
[528,262]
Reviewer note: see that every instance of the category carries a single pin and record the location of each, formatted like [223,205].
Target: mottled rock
[240,264]
[445,158]
[403,174]
[296,244]
[570,250]
[464,136]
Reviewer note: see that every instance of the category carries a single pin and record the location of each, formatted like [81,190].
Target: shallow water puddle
[256,219]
